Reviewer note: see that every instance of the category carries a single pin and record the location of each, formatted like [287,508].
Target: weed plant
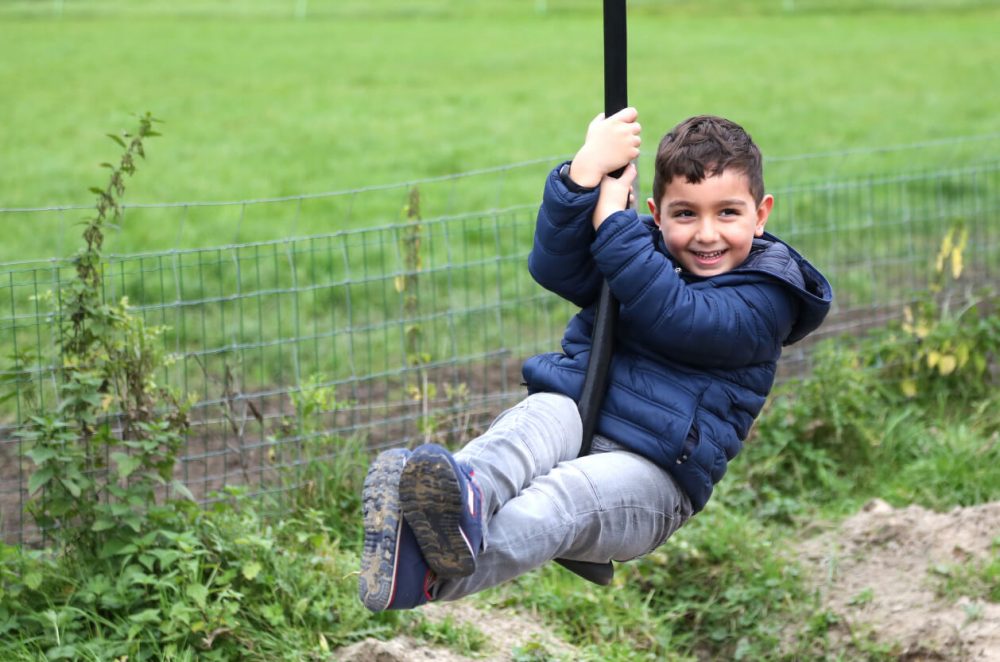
[977,580]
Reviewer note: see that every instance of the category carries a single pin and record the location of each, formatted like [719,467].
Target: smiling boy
[707,299]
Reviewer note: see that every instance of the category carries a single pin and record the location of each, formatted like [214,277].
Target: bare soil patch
[505,630]
[877,572]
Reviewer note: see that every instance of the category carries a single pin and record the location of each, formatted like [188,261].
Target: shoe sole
[431,499]
[383,521]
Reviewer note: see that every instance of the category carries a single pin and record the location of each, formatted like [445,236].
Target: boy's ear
[653,210]
[763,211]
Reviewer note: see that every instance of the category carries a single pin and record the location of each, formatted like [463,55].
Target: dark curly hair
[704,146]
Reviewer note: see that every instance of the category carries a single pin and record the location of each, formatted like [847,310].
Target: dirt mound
[505,632]
[877,571]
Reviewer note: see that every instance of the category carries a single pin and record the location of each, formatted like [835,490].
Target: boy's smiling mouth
[709,256]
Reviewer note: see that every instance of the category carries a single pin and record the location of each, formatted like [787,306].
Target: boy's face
[709,227]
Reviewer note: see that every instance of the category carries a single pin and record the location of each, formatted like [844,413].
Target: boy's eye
[730,212]
[683,213]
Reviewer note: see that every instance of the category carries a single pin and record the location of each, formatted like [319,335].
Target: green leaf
[117,139]
[251,570]
[61,653]
[39,479]
[198,593]
[181,490]
[146,616]
[167,557]
[133,522]
[33,580]
[102,523]
[148,561]
[40,454]
[71,487]
[126,463]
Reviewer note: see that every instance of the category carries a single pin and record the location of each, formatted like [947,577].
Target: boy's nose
[707,232]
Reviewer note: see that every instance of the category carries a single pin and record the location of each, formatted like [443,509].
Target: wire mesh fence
[416,330]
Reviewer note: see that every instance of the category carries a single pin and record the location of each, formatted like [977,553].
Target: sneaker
[394,574]
[443,503]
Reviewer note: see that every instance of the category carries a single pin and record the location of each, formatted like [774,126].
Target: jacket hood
[773,257]
[775,260]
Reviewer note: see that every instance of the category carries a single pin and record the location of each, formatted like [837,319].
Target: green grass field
[261,104]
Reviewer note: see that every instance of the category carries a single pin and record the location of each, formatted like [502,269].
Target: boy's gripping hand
[616,195]
[610,144]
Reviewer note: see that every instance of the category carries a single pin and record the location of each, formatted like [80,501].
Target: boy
[707,300]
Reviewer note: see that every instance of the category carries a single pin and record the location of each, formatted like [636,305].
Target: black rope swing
[606,315]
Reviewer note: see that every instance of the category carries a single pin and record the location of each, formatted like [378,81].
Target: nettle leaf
[146,616]
[61,653]
[41,455]
[33,580]
[127,464]
[167,557]
[133,522]
[198,593]
[40,479]
[251,570]
[102,523]
[148,561]
[71,487]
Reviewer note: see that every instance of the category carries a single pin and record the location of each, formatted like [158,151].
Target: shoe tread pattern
[432,503]
[382,518]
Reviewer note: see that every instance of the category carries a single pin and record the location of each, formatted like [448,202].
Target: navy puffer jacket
[694,357]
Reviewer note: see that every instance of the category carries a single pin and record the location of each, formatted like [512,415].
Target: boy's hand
[616,195]
[610,144]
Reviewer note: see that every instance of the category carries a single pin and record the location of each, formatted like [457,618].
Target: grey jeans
[542,502]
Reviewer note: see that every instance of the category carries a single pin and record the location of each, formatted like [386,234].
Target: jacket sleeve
[723,323]
[560,259]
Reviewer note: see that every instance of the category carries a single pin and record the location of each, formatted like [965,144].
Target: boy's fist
[616,195]
[611,143]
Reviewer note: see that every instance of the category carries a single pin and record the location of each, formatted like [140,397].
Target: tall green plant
[108,448]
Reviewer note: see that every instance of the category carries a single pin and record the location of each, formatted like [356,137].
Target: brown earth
[506,632]
[878,569]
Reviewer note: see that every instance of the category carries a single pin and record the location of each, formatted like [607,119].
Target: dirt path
[877,571]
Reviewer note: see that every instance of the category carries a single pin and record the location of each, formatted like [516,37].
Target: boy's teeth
[708,255]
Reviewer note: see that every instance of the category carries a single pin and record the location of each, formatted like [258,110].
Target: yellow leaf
[106,400]
[908,387]
[946,243]
[933,358]
[962,353]
[947,365]
[921,330]
[400,283]
[956,263]
[962,240]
